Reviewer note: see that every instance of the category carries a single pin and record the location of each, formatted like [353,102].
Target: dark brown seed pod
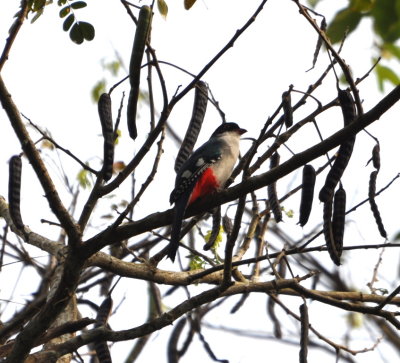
[373,205]
[287,109]
[14,191]
[328,233]
[105,113]
[319,43]
[271,312]
[337,170]
[227,224]
[173,353]
[102,352]
[338,219]
[272,194]
[216,224]
[104,311]
[348,106]
[193,130]
[345,149]
[139,43]
[101,347]
[376,157]
[305,325]
[307,193]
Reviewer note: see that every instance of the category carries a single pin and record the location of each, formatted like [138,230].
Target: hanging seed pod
[272,194]
[192,133]
[348,106]
[104,311]
[227,224]
[305,325]
[328,233]
[139,43]
[307,194]
[338,219]
[102,352]
[319,43]
[287,109]
[101,347]
[272,315]
[373,205]
[376,157]
[337,170]
[345,149]
[173,353]
[14,191]
[216,224]
[105,113]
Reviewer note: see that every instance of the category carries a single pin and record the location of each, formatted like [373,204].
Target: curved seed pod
[105,113]
[338,219]
[227,224]
[373,205]
[173,352]
[287,109]
[319,43]
[272,315]
[328,233]
[139,43]
[337,170]
[216,217]
[101,347]
[305,325]
[347,105]
[307,193]
[272,194]
[198,113]
[14,191]
[376,157]
[102,352]
[345,149]
[104,311]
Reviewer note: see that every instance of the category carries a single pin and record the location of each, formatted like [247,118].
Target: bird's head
[228,127]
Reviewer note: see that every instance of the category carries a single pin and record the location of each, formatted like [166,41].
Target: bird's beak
[241,131]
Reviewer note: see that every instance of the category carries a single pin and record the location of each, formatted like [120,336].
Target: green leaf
[386,20]
[98,89]
[386,74]
[83,179]
[65,11]
[61,2]
[68,22]
[87,30]
[389,49]
[78,5]
[37,15]
[344,20]
[162,8]
[313,3]
[38,5]
[196,263]
[362,5]
[76,34]
[113,67]
[81,31]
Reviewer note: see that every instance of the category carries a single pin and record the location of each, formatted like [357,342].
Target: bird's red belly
[205,185]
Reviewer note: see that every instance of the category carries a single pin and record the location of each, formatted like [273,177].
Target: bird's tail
[179,212]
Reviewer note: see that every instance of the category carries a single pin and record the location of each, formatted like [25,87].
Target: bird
[205,172]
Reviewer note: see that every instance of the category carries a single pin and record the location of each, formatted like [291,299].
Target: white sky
[50,79]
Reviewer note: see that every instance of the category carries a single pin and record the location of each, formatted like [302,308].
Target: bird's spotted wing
[190,174]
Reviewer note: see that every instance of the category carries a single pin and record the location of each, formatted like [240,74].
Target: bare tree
[260,255]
